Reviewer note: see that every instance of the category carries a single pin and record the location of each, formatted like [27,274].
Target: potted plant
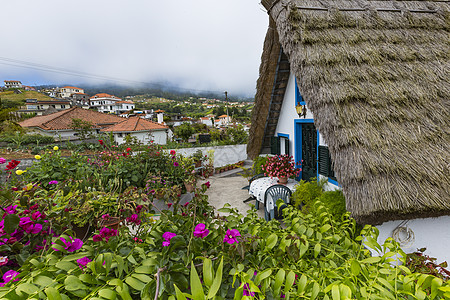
[282,166]
[198,158]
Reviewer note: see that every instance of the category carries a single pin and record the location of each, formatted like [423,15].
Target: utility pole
[226,103]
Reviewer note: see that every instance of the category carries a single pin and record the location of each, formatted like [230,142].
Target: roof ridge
[64,112]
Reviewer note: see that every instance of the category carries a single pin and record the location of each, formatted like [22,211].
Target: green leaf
[124,292]
[142,277]
[263,275]
[435,284]
[279,279]
[290,278]
[271,241]
[135,283]
[43,281]
[73,284]
[11,222]
[144,269]
[317,248]
[27,288]
[371,260]
[302,283]
[355,267]
[196,285]
[52,293]
[116,281]
[335,292]
[108,294]
[217,281]
[315,290]
[325,227]
[207,272]
[180,295]
[66,265]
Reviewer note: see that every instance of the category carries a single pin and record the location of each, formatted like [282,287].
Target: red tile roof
[159,111]
[223,116]
[103,95]
[71,87]
[135,124]
[126,102]
[63,119]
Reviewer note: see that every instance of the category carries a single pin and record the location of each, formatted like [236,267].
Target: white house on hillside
[106,103]
[67,91]
[12,84]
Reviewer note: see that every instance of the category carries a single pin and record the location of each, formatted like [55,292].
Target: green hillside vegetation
[11,96]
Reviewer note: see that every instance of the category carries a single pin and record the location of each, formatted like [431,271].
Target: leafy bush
[258,162]
[26,139]
[195,253]
[334,201]
[306,192]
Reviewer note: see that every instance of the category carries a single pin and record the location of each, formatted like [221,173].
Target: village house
[356,94]
[106,103]
[59,124]
[40,107]
[12,84]
[145,131]
[67,91]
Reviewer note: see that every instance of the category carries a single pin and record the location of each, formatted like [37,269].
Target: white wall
[158,136]
[430,233]
[223,155]
[286,121]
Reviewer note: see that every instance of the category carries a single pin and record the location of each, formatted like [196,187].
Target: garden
[115,225]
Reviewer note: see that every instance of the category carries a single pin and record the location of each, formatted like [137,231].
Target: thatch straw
[377,84]
[264,87]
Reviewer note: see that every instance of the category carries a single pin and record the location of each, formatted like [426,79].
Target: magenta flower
[8,276]
[36,215]
[167,236]
[231,235]
[105,217]
[208,184]
[134,218]
[97,238]
[2,160]
[247,291]
[53,182]
[200,231]
[169,205]
[186,204]
[82,262]
[72,245]
[172,152]
[11,209]
[176,164]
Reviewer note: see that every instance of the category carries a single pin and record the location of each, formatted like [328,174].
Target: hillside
[11,96]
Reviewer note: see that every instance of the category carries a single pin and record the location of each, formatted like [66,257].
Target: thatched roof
[375,75]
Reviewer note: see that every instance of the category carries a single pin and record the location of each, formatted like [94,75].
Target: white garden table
[259,186]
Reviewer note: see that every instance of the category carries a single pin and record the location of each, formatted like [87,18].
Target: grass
[25,95]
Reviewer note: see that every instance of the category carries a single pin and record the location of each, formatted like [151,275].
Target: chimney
[160,118]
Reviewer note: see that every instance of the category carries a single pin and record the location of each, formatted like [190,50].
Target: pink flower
[8,276]
[82,262]
[167,236]
[186,204]
[72,245]
[97,238]
[200,231]
[53,182]
[3,260]
[231,235]
[2,160]
[169,205]
[176,164]
[134,219]
[172,152]
[105,217]
[208,184]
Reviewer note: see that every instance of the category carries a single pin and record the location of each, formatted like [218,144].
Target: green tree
[83,128]
[184,131]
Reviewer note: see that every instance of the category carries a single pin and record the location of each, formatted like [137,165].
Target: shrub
[306,192]
[258,163]
[334,201]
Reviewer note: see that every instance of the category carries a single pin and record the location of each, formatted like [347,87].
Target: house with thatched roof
[359,91]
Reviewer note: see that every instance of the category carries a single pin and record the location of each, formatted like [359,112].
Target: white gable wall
[286,122]
[145,137]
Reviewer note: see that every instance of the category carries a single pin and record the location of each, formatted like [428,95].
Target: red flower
[101,142]
[172,152]
[12,164]
[128,149]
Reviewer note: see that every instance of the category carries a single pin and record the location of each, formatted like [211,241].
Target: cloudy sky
[196,44]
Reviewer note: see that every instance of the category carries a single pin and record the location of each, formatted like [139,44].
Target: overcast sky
[197,44]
